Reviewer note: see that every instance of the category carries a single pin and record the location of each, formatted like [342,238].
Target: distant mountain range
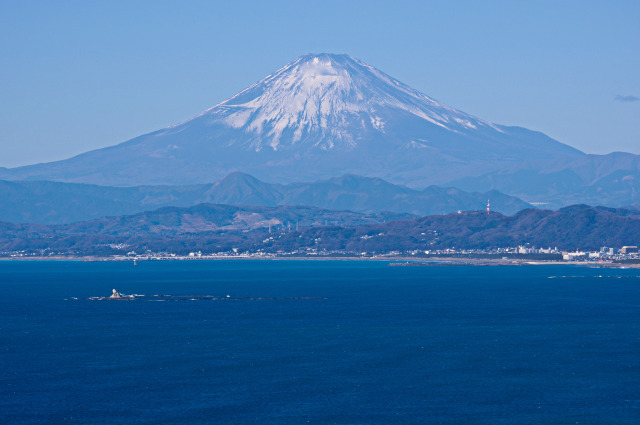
[612,180]
[327,115]
[214,228]
[57,203]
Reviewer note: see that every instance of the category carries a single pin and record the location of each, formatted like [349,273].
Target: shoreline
[393,261]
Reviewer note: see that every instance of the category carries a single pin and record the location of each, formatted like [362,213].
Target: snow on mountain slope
[318,117]
[326,100]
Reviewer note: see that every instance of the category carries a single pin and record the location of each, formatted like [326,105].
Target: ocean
[318,342]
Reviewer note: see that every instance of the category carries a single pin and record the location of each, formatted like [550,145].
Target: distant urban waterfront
[317,342]
[626,256]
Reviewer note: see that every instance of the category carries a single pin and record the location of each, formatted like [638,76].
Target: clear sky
[76,76]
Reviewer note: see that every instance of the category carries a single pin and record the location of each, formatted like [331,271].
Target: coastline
[400,261]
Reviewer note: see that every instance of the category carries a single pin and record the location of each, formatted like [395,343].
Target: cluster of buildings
[625,253]
[605,253]
[609,254]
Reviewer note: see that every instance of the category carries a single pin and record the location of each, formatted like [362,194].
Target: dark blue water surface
[384,345]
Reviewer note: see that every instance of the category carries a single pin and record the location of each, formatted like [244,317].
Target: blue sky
[76,76]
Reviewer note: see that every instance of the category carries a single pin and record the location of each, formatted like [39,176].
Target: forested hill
[574,227]
[214,228]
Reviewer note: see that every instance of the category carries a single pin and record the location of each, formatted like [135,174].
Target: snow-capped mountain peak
[318,117]
[329,100]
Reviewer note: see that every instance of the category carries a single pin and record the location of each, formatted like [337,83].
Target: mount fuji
[318,117]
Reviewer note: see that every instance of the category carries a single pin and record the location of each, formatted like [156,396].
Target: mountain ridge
[612,179]
[221,228]
[55,202]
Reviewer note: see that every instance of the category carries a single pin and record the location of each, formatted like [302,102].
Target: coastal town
[510,255]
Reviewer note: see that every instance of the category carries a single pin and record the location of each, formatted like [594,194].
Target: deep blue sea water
[381,345]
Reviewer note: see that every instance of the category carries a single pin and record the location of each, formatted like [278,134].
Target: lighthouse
[488,206]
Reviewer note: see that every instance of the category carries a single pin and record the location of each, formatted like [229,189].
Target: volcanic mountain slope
[320,116]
